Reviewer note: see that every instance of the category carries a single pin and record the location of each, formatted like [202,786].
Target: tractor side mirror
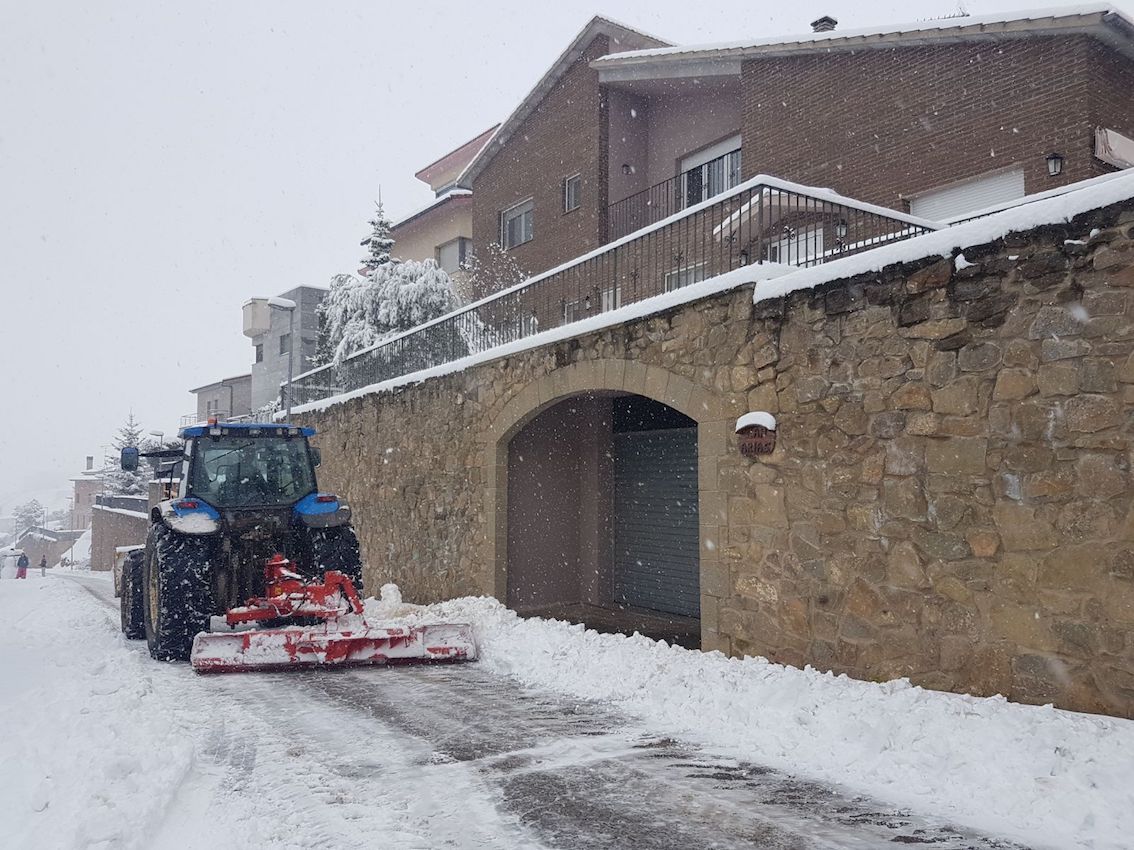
[316,456]
[130,456]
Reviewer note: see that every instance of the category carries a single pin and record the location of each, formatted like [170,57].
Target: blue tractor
[246,492]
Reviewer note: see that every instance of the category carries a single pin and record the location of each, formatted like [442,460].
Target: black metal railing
[762,220]
[673,195]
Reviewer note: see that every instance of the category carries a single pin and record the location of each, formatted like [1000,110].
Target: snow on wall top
[756,417]
[975,25]
[1091,194]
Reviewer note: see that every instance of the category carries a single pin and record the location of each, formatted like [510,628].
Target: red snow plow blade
[343,638]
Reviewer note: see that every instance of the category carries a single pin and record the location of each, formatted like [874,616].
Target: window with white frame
[453,254]
[581,308]
[797,247]
[683,276]
[572,191]
[516,224]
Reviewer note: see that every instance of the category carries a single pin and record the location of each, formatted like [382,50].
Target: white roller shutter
[970,195]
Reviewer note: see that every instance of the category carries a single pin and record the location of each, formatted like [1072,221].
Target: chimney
[824,24]
[90,461]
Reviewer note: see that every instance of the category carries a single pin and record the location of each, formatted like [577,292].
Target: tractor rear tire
[178,596]
[130,600]
[336,549]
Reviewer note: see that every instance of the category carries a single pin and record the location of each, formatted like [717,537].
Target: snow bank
[1046,777]
[74,708]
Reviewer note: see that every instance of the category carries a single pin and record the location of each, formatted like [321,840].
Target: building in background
[228,398]
[267,325]
[87,484]
[442,229]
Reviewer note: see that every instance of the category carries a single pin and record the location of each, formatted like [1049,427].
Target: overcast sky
[162,162]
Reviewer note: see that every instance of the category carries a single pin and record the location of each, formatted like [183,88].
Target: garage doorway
[603,517]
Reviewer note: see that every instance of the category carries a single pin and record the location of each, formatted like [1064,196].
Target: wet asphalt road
[571,774]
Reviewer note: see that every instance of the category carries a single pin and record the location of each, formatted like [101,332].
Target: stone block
[1021,625]
[903,567]
[1091,413]
[979,357]
[1021,530]
[1097,375]
[933,276]
[957,455]
[1063,349]
[1101,476]
[911,397]
[1014,384]
[905,456]
[887,425]
[923,424]
[1060,378]
[940,547]
[959,398]
[1056,322]
[1079,568]
[904,497]
[935,329]
[984,543]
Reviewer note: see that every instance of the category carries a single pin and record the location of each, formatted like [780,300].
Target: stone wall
[949,499]
[114,527]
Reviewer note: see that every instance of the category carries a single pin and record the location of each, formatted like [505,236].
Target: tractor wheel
[336,549]
[178,600]
[130,600]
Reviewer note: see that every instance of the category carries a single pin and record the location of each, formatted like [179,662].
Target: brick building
[938,120]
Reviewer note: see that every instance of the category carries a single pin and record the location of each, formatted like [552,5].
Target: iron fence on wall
[762,220]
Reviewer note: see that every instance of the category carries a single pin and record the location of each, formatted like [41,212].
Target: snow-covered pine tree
[27,515]
[359,312]
[379,244]
[119,482]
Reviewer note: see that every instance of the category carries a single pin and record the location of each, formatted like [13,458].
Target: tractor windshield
[237,471]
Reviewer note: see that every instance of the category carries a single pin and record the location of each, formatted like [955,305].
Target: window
[710,171]
[285,343]
[575,310]
[797,247]
[454,254]
[259,352]
[572,189]
[684,276]
[516,225]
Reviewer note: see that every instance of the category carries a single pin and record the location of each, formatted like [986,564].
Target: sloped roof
[1101,20]
[598,25]
[457,159]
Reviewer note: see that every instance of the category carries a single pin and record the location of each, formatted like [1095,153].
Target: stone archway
[713,414]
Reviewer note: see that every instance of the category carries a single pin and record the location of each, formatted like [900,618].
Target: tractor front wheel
[336,549]
[178,599]
[130,600]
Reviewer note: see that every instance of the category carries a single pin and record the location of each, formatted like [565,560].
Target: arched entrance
[603,518]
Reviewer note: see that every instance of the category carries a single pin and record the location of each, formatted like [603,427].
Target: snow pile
[1036,774]
[80,554]
[75,705]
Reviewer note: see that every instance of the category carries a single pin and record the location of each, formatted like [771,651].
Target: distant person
[42,566]
[22,566]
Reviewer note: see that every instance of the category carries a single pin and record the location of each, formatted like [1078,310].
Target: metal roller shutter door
[969,196]
[656,531]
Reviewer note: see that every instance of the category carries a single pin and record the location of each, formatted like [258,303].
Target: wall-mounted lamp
[841,228]
[1054,164]
[627,168]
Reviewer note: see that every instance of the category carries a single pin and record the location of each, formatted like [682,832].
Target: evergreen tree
[360,312]
[120,482]
[379,244]
[27,515]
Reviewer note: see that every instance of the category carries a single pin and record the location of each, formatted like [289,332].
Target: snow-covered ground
[558,737]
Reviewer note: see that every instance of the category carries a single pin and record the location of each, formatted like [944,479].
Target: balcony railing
[673,195]
[761,220]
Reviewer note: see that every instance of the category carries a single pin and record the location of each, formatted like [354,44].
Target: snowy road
[461,757]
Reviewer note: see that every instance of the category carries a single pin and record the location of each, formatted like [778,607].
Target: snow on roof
[1050,20]
[598,25]
[756,417]
[436,202]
